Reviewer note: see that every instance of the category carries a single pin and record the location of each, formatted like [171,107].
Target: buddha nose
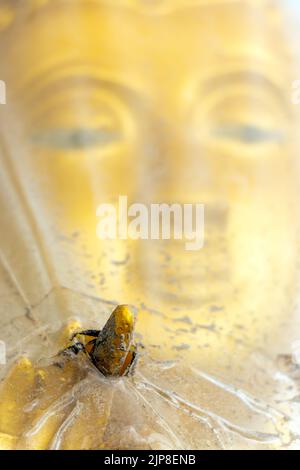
[174,161]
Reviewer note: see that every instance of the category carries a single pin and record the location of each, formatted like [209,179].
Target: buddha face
[177,102]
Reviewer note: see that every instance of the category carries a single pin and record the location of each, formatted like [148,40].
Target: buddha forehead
[153,18]
[163,48]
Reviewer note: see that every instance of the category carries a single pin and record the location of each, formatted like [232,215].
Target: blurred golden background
[163,101]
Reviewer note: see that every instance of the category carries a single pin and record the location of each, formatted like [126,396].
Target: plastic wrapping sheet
[143,107]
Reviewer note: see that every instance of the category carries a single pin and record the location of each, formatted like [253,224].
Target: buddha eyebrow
[255,80]
[72,79]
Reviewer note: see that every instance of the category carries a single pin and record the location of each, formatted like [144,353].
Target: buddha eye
[247,134]
[75,138]
[242,114]
[79,114]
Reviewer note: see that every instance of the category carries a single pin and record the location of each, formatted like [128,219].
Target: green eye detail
[75,139]
[248,133]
